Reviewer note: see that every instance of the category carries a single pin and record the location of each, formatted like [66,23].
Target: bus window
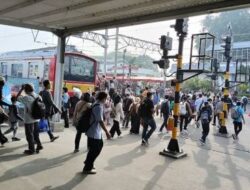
[17,70]
[80,69]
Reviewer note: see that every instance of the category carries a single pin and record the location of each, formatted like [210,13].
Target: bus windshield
[77,68]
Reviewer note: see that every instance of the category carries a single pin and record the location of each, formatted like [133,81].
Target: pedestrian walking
[237,114]
[80,108]
[94,133]
[146,112]
[30,124]
[185,113]
[51,108]
[13,119]
[117,113]
[135,119]
[65,107]
[205,116]
[165,111]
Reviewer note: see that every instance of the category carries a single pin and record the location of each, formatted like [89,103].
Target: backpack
[38,108]
[235,114]
[84,124]
[165,107]
[183,108]
[205,116]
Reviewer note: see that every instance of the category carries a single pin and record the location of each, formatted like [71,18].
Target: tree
[197,84]
[239,20]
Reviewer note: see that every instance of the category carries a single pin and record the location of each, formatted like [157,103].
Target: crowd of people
[109,109]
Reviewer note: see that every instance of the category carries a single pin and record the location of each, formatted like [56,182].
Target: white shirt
[198,103]
[119,112]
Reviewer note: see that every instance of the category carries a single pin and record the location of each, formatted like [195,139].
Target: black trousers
[65,116]
[78,139]
[135,124]
[32,135]
[237,127]
[126,119]
[205,132]
[115,128]
[95,148]
[3,139]
[183,118]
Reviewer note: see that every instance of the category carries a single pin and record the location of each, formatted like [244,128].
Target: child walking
[13,119]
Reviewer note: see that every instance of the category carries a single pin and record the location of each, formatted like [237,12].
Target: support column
[58,83]
[116,48]
[105,51]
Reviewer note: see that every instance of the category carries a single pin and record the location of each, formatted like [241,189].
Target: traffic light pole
[173,149]
[224,115]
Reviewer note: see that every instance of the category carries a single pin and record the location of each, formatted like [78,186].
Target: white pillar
[105,51]
[116,49]
[59,75]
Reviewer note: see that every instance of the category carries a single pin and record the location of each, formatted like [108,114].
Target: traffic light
[166,43]
[181,26]
[226,46]
[162,63]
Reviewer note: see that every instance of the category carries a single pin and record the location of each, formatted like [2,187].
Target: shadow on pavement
[35,166]
[126,158]
[77,179]
[158,170]
[212,180]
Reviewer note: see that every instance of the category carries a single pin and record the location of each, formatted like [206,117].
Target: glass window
[78,69]
[17,70]
[4,69]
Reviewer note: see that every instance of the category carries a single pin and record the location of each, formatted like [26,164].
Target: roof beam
[76,19]
[19,6]
[65,9]
[171,14]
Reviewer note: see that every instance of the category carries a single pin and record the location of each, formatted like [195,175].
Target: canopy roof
[73,16]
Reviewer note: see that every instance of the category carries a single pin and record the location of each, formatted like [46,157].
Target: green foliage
[142,61]
[196,84]
[239,20]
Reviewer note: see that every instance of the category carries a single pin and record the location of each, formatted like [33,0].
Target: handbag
[43,125]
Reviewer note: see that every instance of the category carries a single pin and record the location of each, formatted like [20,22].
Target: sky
[17,39]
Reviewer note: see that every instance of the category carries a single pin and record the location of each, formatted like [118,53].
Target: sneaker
[29,152]
[54,138]
[38,148]
[91,172]
[5,140]
[202,141]
[76,150]
[234,136]
[145,142]
[15,139]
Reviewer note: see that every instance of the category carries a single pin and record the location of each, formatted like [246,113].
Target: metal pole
[116,49]
[59,74]
[105,51]
[124,52]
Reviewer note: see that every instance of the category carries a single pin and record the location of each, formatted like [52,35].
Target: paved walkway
[125,165]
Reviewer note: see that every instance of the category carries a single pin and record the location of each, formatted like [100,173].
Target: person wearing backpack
[65,107]
[146,112]
[80,108]
[13,119]
[94,133]
[30,124]
[118,114]
[165,110]
[185,113]
[238,119]
[50,107]
[205,116]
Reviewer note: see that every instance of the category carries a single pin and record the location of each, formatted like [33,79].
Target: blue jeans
[165,120]
[148,122]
